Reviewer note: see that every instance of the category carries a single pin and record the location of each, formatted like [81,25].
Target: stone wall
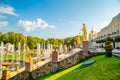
[54,66]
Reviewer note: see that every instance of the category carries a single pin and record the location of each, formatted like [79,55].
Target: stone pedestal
[5,75]
[85,45]
[55,56]
[6,72]
[17,67]
[29,61]
[28,66]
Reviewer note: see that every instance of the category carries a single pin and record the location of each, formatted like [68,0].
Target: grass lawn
[15,56]
[103,69]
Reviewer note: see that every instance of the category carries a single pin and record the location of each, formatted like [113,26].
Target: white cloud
[32,25]
[2,17]
[52,26]
[3,23]
[6,9]
[41,23]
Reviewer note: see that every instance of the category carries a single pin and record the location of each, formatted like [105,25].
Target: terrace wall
[51,67]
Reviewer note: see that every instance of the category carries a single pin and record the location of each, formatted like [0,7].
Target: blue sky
[55,18]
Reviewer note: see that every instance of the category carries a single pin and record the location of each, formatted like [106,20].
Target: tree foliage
[33,41]
[108,44]
[117,39]
[100,41]
[76,40]
[15,38]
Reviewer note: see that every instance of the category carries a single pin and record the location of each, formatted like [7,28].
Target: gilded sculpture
[84,32]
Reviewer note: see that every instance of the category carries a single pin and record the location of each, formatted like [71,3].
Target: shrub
[108,47]
[100,41]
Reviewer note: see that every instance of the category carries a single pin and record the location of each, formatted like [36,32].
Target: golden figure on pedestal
[28,56]
[92,33]
[84,32]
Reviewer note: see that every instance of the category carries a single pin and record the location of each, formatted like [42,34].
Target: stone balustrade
[49,66]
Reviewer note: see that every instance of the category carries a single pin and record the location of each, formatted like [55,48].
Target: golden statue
[28,56]
[29,61]
[92,33]
[84,32]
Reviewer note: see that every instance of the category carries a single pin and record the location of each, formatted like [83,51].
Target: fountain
[44,51]
[1,57]
[39,51]
[24,54]
[61,48]
[19,48]
[65,49]
[13,57]
[51,47]
[38,48]
[45,56]
[48,52]
[18,55]
[48,49]
[44,46]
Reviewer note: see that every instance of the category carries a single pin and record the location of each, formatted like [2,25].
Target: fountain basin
[85,64]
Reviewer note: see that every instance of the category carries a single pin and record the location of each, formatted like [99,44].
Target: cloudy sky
[55,18]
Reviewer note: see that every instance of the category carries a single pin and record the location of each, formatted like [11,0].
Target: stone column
[55,56]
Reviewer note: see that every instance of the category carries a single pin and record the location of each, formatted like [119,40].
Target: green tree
[0,33]
[4,38]
[11,37]
[0,36]
[32,42]
[117,39]
[20,38]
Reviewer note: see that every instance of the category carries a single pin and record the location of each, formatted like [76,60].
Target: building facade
[112,30]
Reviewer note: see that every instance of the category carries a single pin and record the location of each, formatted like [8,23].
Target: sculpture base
[85,45]
[55,56]
[6,75]
[29,66]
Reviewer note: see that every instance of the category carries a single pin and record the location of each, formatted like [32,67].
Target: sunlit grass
[103,69]
[57,75]
[13,56]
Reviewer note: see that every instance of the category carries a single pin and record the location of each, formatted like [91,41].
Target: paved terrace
[41,63]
